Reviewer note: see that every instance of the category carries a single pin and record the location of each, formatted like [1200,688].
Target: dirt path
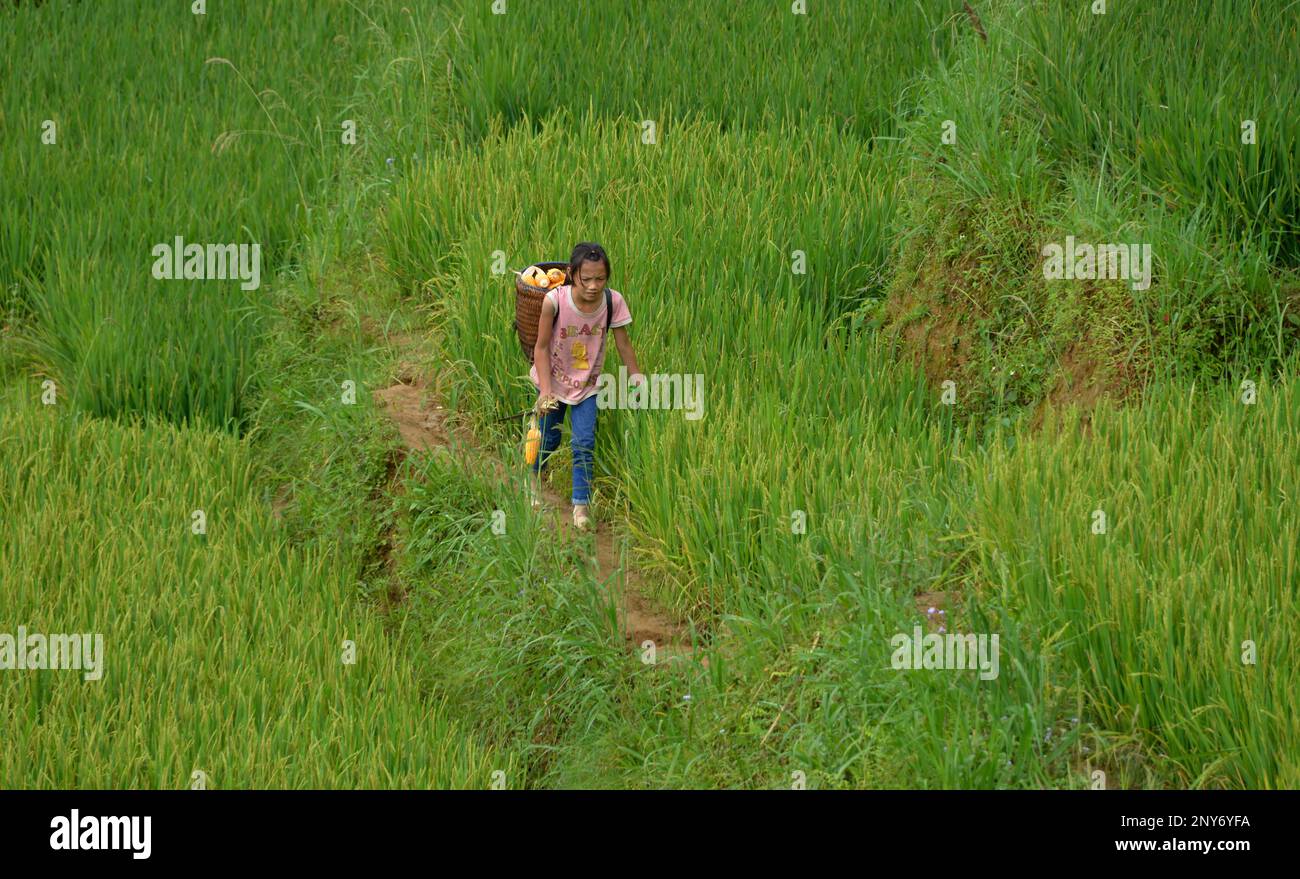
[414,405]
[639,619]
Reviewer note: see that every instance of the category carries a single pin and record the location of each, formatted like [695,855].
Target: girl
[574,347]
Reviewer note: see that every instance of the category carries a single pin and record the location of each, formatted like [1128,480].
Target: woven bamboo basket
[528,306]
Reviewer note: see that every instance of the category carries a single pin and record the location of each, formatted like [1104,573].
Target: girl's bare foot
[580,518]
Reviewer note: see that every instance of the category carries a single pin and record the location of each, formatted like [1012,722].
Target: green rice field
[837,222]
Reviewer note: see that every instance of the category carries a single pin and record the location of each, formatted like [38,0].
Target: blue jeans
[583,427]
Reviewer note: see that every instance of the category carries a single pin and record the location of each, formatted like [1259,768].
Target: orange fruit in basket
[534,276]
[555,276]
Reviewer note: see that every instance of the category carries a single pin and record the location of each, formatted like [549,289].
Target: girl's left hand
[635,379]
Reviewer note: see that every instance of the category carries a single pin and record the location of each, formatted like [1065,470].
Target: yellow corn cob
[534,442]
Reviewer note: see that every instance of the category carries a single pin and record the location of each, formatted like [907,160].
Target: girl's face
[589,284]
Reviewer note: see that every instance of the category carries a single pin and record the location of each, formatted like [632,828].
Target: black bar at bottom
[336,828]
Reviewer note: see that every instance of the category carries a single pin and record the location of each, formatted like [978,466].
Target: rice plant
[136,137]
[226,653]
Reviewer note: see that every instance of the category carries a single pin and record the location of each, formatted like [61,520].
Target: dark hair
[586,251]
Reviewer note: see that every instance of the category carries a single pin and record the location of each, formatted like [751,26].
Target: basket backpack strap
[609,315]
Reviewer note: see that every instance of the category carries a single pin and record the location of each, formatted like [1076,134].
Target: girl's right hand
[545,403]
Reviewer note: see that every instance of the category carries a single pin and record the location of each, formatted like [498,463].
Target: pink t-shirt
[577,352]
